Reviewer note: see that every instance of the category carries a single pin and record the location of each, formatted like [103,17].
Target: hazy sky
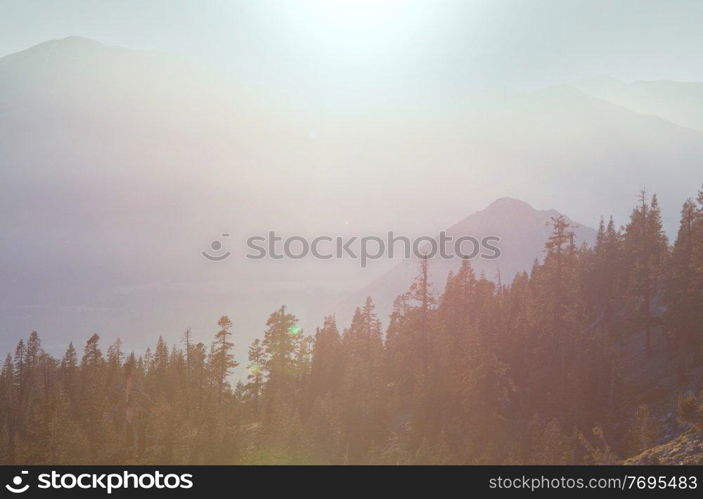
[356,45]
[318,151]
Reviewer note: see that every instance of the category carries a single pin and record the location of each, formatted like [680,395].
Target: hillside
[677,102]
[686,448]
[522,231]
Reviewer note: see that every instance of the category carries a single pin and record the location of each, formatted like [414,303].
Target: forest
[591,357]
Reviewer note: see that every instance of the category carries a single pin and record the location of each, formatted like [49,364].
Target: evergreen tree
[255,376]
[221,359]
[279,348]
[646,249]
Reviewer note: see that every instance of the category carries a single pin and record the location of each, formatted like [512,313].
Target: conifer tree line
[578,360]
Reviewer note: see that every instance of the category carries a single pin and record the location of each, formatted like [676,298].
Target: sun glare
[356,25]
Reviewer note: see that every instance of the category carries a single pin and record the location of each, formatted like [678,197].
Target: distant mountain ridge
[522,230]
[678,102]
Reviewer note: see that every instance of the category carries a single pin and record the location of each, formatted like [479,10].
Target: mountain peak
[508,203]
[67,43]
[75,40]
[70,47]
[522,232]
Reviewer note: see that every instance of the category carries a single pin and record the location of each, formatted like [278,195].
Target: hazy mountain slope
[522,230]
[585,152]
[118,167]
[678,102]
[596,154]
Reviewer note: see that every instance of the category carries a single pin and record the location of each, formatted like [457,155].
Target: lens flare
[254,369]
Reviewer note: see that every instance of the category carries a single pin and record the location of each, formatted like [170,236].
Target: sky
[371,46]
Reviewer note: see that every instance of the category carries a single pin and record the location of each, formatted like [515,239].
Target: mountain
[678,102]
[522,231]
[118,167]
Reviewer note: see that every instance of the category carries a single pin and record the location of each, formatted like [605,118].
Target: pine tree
[682,305]
[559,276]
[326,359]
[255,376]
[8,412]
[221,359]
[92,401]
[361,383]
[646,248]
[279,369]
[421,293]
